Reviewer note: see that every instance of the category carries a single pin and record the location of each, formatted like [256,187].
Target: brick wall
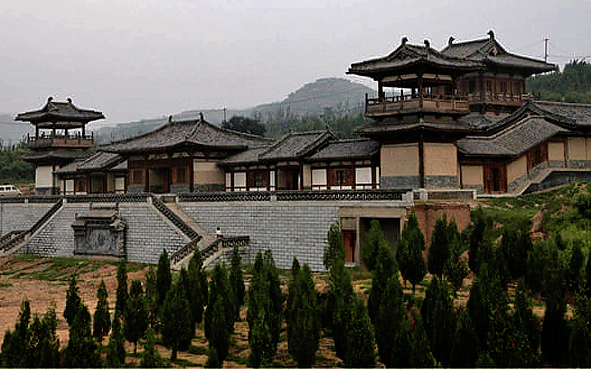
[287,229]
[428,213]
[19,217]
[147,233]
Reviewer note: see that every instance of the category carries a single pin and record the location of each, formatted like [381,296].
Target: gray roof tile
[513,140]
[60,110]
[347,150]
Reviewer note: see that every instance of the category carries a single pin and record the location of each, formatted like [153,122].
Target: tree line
[572,84]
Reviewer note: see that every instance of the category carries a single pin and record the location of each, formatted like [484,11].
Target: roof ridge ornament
[201,116]
[50,99]
[451,40]
[404,40]
[69,100]
[491,34]
[427,43]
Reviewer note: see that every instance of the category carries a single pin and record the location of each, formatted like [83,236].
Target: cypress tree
[477,237]
[335,249]
[464,353]
[136,315]
[439,248]
[369,248]
[262,316]
[81,350]
[163,277]
[428,306]
[444,325]
[276,297]
[414,268]
[152,298]
[116,349]
[186,282]
[291,290]
[392,329]
[527,329]
[588,277]
[220,313]
[455,269]
[122,293]
[576,263]
[360,339]
[73,301]
[421,350]
[480,305]
[339,306]
[15,344]
[150,357]
[555,332]
[580,339]
[176,320]
[384,268]
[303,331]
[237,280]
[43,345]
[199,290]
[102,317]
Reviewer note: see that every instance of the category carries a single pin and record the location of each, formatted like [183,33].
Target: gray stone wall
[135,188]
[20,217]
[578,164]
[146,235]
[393,182]
[43,191]
[287,229]
[442,182]
[556,164]
[180,188]
[211,187]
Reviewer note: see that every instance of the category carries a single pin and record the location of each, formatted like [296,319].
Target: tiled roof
[295,145]
[245,157]
[346,150]
[65,111]
[490,51]
[98,161]
[578,114]
[513,140]
[393,125]
[187,133]
[55,154]
[406,56]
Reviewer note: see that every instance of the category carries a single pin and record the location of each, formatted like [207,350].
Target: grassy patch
[5,284]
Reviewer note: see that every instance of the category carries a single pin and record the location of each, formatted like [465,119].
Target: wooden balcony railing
[405,104]
[49,141]
[499,98]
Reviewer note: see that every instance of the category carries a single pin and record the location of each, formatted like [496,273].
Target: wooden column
[420,82]
[380,91]
[191,174]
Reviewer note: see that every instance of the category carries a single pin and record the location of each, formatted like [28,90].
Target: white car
[9,191]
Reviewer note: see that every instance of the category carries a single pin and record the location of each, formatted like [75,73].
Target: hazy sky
[142,59]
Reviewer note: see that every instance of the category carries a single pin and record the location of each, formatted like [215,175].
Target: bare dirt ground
[44,281]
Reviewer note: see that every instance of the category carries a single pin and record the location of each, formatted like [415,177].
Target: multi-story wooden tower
[60,138]
[438,98]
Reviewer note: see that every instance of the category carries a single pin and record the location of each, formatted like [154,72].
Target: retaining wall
[20,216]
[147,233]
[288,229]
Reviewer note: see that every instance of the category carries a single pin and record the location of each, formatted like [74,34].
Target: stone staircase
[13,242]
[212,249]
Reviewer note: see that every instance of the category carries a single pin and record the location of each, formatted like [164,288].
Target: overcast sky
[143,59]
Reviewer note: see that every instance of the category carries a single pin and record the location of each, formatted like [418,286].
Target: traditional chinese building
[60,138]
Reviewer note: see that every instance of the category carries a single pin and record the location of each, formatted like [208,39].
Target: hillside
[325,98]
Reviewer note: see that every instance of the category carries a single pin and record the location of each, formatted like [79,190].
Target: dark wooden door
[495,178]
[349,241]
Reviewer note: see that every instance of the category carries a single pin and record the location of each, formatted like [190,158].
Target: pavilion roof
[66,114]
[490,52]
[408,58]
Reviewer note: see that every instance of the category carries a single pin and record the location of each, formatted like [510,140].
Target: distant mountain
[12,132]
[337,95]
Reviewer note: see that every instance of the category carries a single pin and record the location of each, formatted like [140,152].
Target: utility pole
[224,114]
[546,50]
